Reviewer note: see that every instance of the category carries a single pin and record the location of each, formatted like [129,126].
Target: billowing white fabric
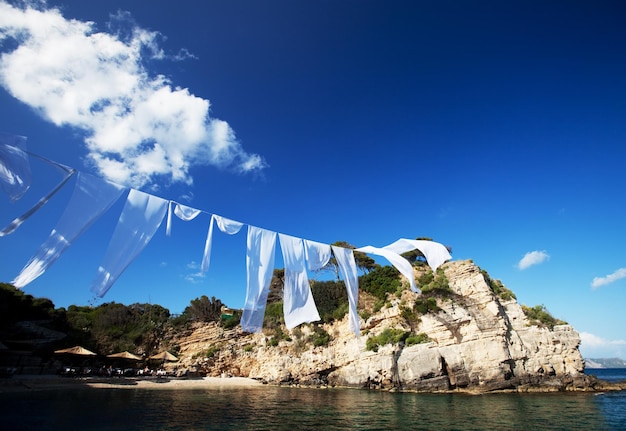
[317,254]
[298,303]
[400,263]
[260,269]
[141,217]
[15,172]
[434,252]
[183,212]
[91,198]
[17,222]
[227,226]
[347,269]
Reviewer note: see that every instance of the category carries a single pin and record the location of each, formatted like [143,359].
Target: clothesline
[142,215]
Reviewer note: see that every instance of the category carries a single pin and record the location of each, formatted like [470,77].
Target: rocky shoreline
[25,383]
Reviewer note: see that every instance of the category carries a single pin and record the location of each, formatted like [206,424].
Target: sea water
[282,408]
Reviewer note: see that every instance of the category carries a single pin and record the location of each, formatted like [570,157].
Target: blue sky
[497,128]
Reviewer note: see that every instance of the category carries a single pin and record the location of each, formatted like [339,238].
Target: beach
[22,383]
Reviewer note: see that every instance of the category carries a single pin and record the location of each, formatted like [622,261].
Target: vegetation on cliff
[540,316]
[148,328]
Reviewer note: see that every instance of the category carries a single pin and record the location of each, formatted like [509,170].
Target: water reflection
[294,409]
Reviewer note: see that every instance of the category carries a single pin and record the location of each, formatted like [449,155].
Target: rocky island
[465,332]
[471,336]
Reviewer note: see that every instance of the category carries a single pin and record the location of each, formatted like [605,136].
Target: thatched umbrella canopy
[164,356]
[76,350]
[125,355]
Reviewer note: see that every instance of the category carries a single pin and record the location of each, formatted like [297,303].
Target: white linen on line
[298,303]
[17,222]
[434,252]
[15,175]
[317,254]
[400,263]
[228,226]
[347,269]
[141,217]
[183,212]
[91,198]
[260,255]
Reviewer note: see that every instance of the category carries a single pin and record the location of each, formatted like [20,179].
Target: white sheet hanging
[183,212]
[141,217]
[15,172]
[317,254]
[228,226]
[434,252]
[400,263]
[347,269]
[298,303]
[17,222]
[91,198]
[260,269]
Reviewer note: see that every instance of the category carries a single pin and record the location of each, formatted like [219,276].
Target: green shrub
[408,314]
[273,315]
[433,286]
[279,335]
[425,279]
[436,284]
[297,332]
[381,281]
[497,287]
[540,316]
[340,311]
[378,305]
[319,337]
[372,344]
[388,336]
[395,336]
[331,299]
[425,304]
[209,353]
[417,339]
[231,321]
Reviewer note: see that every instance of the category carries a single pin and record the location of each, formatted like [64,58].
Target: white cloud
[193,265]
[137,126]
[196,276]
[186,197]
[593,346]
[533,258]
[611,278]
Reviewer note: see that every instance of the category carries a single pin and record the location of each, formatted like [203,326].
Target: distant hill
[605,363]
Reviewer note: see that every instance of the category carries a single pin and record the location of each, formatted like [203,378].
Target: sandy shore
[27,383]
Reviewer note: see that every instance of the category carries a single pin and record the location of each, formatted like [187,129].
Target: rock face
[479,343]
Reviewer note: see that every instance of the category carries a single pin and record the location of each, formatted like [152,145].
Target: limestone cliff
[476,341]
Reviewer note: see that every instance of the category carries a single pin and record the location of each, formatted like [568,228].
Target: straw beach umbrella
[76,350]
[164,356]
[71,355]
[125,355]
[124,359]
